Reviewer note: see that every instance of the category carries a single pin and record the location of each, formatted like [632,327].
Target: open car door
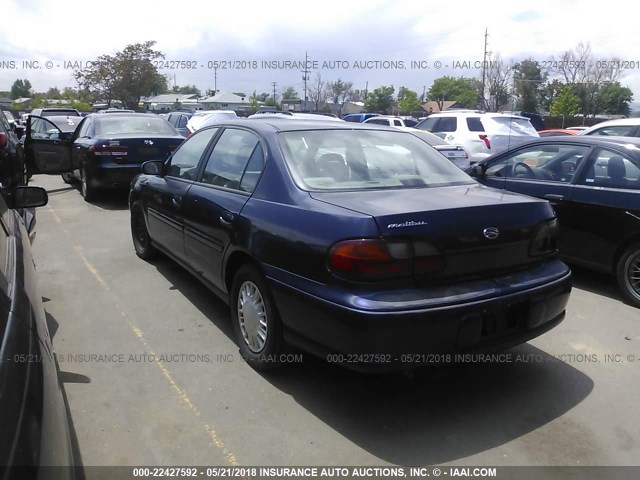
[46,148]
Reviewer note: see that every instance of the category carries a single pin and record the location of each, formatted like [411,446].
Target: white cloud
[328,30]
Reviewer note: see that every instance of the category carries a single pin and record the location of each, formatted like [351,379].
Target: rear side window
[615,130]
[475,124]
[446,124]
[509,126]
[229,159]
[613,170]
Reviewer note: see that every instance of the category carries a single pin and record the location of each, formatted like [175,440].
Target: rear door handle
[555,198]
[176,201]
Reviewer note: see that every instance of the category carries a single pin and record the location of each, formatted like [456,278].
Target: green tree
[567,104]
[408,100]
[463,90]
[549,92]
[53,92]
[290,92]
[380,100]
[528,79]
[615,99]
[339,92]
[21,88]
[125,76]
[186,90]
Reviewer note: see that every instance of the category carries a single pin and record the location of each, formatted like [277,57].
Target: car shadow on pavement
[112,200]
[65,377]
[595,282]
[199,295]
[438,414]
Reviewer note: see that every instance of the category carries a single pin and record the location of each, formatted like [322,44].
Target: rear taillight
[377,259]
[486,141]
[545,239]
[109,150]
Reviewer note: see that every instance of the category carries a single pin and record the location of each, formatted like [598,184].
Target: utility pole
[484,70]
[274,93]
[424,93]
[305,77]
[215,80]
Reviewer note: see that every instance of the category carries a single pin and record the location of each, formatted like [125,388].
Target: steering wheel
[528,171]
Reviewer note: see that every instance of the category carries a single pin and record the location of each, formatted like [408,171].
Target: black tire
[140,234]
[260,353]
[88,192]
[628,274]
[68,178]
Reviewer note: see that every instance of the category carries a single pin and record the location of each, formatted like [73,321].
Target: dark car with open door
[106,150]
[593,183]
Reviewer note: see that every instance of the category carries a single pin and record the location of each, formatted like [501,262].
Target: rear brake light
[486,141]
[115,150]
[545,239]
[377,259]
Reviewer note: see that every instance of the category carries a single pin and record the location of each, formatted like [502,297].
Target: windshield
[124,124]
[362,159]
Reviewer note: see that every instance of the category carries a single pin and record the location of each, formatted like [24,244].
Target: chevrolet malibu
[353,241]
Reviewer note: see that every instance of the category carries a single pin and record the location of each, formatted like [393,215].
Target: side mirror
[153,167]
[477,170]
[29,197]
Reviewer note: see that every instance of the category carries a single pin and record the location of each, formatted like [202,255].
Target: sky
[370,43]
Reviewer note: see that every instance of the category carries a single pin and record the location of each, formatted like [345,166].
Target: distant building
[5,102]
[172,101]
[226,101]
[23,103]
[433,106]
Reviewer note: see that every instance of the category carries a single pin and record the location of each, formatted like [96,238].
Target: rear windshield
[509,126]
[365,159]
[122,124]
[56,113]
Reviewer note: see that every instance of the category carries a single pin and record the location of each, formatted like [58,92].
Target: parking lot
[153,377]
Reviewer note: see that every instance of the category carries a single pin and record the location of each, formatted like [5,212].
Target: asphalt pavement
[153,376]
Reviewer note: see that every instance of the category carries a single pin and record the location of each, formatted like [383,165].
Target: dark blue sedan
[594,184]
[358,242]
[106,150]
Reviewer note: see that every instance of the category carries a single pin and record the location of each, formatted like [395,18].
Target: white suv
[481,134]
[391,121]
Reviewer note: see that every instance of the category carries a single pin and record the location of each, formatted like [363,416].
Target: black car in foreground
[34,428]
[594,186]
[12,159]
[107,150]
[357,241]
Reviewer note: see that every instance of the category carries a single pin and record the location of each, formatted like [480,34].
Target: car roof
[617,121]
[475,113]
[272,124]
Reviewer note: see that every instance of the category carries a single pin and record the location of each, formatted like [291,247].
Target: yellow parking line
[181,393]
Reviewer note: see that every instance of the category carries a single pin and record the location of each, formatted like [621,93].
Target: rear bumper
[112,175]
[376,333]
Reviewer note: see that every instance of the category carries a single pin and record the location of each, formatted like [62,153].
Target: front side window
[552,162]
[184,162]
[365,159]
